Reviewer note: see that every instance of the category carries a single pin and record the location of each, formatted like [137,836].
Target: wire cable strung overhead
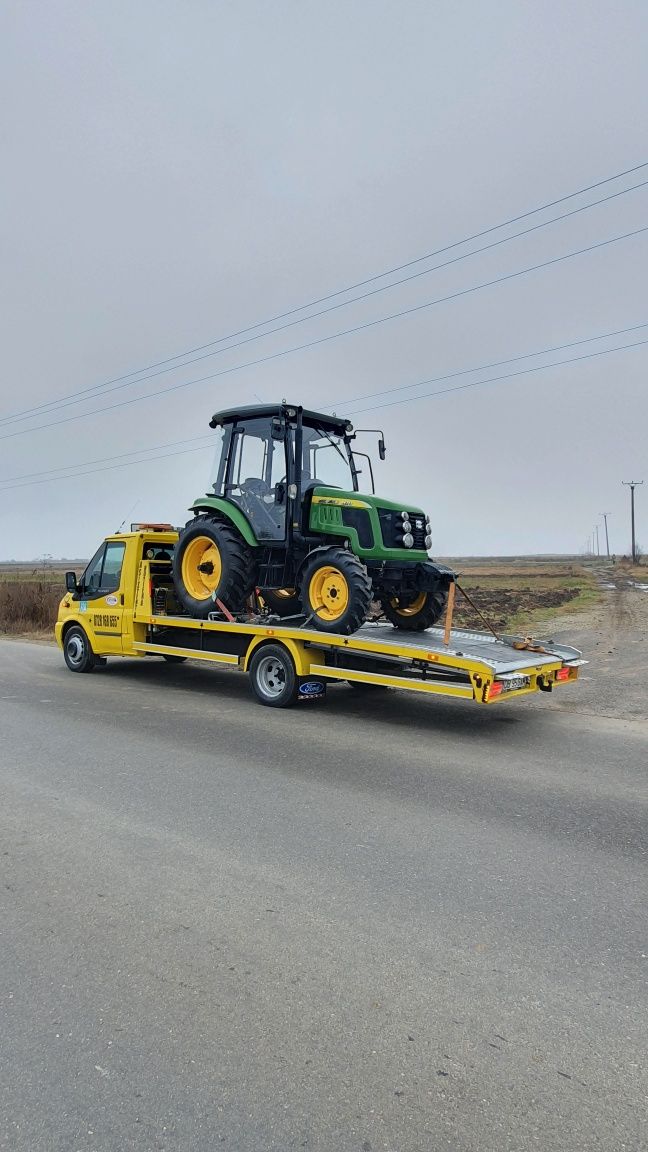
[45,477]
[342,404]
[332,336]
[165,366]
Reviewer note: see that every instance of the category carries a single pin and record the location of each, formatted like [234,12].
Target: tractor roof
[267,411]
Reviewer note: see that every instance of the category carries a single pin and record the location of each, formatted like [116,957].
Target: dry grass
[29,605]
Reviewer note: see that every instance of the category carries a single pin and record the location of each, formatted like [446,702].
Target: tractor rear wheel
[415,615]
[212,561]
[336,591]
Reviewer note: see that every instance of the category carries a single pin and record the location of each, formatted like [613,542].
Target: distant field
[512,593]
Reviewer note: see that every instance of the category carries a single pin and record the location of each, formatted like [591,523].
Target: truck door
[101,600]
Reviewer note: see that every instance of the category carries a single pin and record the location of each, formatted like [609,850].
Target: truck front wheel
[77,652]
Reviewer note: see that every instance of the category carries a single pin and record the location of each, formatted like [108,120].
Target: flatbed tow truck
[124,605]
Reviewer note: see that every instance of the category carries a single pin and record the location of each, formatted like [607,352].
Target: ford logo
[311,688]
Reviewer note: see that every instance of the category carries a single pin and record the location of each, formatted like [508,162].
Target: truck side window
[91,579]
[103,573]
[112,567]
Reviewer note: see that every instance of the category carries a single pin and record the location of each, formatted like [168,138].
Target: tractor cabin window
[256,478]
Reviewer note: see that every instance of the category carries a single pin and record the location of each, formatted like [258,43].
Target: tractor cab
[270,459]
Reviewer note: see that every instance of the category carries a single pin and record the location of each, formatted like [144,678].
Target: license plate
[516,682]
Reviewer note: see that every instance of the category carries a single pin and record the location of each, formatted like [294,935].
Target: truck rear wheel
[417,614]
[336,591]
[273,677]
[211,561]
[77,651]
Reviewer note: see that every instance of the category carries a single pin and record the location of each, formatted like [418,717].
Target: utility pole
[632,484]
[607,538]
[598,550]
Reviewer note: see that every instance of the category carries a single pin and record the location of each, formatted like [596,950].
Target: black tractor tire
[423,613]
[282,601]
[336,591]
[170,659]
[273,677]
[77,651]
[212,561]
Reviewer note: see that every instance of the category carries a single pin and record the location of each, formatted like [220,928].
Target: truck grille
[390,522]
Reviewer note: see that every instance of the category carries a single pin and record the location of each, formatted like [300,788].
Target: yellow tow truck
[125,605]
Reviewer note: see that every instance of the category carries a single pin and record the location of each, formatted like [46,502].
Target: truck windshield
[327,460]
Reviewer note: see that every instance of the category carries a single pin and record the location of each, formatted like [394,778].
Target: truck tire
[336,591]
[77,651]
[212,561]
[422,613]
[273,677]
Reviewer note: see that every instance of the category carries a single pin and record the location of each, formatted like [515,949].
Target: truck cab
[101,602]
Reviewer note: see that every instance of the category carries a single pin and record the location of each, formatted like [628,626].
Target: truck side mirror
[71,582]
[382,451]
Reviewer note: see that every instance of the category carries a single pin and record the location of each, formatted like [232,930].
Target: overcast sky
[175,172]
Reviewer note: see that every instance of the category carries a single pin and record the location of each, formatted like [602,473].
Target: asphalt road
[384,923]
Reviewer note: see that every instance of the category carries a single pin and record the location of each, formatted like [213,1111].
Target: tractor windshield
[327,460]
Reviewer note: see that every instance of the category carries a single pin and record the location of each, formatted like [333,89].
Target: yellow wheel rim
[201,568]
[412,609]
[328,593]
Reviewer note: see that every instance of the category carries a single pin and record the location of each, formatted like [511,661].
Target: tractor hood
[378,529]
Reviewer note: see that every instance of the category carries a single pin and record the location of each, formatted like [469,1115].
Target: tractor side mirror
[71,583]
[280,493]
[278,429]
[382,451]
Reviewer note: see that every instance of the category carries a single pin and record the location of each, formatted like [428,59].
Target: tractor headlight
[428,541]
[406,526]
[408,540]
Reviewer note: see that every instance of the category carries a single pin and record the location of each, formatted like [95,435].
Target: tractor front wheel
[211,561]
[415,614]
[336,591]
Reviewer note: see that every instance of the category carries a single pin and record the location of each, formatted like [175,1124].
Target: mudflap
[310,688]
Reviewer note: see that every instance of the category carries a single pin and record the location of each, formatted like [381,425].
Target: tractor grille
[390,527]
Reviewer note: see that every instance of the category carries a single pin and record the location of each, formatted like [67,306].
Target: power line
[106,459]
[395,403]
[506,376]
[165,366]
[369,396]
[483,367]
[333,336]
[108,468]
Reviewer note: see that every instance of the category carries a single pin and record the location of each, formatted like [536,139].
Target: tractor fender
[230,512]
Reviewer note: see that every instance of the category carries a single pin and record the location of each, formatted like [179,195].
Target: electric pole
[607,538]
[632,484]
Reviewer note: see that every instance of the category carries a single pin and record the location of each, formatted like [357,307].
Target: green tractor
[285,516]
